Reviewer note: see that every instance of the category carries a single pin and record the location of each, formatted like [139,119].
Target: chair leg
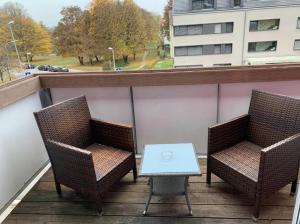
[208,176]
[134,172]
[294,188]
[99,205]
[58,189]
[256,209]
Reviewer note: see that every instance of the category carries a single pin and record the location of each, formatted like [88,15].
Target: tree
[87,45]
[4,32]
[31,36]
[4,63]
[121,25]
[104,24]
[165,23]
[67,33]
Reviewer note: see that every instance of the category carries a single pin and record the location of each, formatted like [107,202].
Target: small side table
[169,167]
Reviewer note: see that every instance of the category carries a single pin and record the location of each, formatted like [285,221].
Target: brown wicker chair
[258,153]
[87,155]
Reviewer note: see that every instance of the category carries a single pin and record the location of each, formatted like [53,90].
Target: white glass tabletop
[169,159]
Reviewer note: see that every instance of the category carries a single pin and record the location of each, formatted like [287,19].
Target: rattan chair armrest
[224,135]
[290,143]
[279,164]
[111,134]
[72,166]
[68,148]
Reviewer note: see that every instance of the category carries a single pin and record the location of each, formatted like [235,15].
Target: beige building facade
[236,33]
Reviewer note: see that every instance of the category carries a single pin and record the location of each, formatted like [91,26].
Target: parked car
[52,68]
[60,69]
[43,67]
[30,66]
[65,69]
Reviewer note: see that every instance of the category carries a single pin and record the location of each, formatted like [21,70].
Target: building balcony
[162,106]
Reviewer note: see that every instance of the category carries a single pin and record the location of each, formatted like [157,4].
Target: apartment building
[234,32]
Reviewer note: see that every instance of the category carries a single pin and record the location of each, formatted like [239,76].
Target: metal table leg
[187,196]
[162,187]
[150,196]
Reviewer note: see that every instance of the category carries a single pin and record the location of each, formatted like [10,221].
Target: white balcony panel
[22,152]
[235,98]
[175,114]
[109,104]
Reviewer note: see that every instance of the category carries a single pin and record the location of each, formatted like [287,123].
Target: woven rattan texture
[78,160]
[272,118]
[118,136]
[243,157]
[228,134]
[107,158]
[67,122]
[258,153]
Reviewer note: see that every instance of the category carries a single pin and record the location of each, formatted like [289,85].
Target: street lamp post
[27,54]
[113,53]
[14,41]
[7,56]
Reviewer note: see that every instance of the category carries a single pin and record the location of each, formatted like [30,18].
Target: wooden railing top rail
[173,70]
[173,77]
[18,89]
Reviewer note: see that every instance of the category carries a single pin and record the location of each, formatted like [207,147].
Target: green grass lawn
[70,62]
[138,64]
[164,64]
[56,60]
[152,61]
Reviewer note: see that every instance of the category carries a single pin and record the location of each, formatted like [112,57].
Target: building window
[298,23]
[222,65]
[226,48]
[180,30]
[229,27]
[297,45]
[263,25]
[181,51]
[262,46]
[213,28]
[202,4]
[194,50]
[203,50]
[217,49]
[189,66]
[218,28]
[236,3]
[194,30]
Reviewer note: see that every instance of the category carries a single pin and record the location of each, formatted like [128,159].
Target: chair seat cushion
[243,158]
[106,159]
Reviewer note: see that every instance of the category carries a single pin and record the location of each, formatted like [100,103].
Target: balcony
[171,106]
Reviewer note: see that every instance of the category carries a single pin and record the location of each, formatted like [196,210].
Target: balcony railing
[163,106]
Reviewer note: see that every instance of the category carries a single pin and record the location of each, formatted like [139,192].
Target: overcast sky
[48,11]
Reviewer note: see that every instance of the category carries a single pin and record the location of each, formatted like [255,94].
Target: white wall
[175,114]
[166,114]
[235,98]
[285,35]
[109,104]
[235,38]
[22,151]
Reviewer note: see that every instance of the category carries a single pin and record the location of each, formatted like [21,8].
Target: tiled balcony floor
[125,203]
